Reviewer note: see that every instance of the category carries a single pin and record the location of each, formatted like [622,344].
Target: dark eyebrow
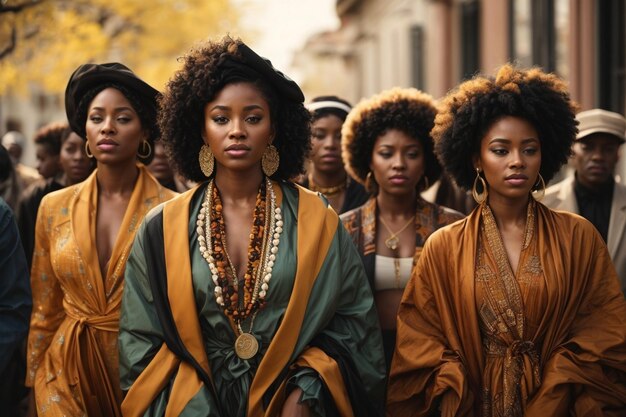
[118,109]
[507,141]
[247,108]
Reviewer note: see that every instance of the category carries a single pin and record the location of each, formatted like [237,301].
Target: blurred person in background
[15,310]
[387,147]
[47,148]
[161,169]
[515,310]
[592,190]
[62,161]
[9,188]
[13,142]
[326,172]
[446,193]
[82,238]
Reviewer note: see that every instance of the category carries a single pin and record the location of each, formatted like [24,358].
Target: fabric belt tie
[86,363]
[517,356]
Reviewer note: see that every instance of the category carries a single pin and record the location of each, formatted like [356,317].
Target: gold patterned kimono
[476,338]
[72,344]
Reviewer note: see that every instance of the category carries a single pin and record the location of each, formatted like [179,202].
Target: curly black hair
[181,118]
[51,136]
[405,109]
[147,114]
[468,111]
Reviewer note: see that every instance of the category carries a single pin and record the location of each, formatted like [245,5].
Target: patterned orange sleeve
[48,310]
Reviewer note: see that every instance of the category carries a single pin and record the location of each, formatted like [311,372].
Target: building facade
[435,44]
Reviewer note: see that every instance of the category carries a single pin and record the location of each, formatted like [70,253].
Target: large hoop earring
[143,146]
[370,183]
[89,154]
[479,197]
[539,192]
[206,160]
[270,160]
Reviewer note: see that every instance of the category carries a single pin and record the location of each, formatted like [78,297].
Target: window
[610,44]
[470,38]
[417,57]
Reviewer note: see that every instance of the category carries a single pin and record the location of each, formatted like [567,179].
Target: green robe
[340,308]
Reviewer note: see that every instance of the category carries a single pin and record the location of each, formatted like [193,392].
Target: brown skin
[397,165]
[48,164]
[594,158]
[326,164]
[74,161]
[160,167]
[510,159]
[238,128]
[114,134]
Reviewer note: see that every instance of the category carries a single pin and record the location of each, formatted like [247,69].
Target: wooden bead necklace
[262,250]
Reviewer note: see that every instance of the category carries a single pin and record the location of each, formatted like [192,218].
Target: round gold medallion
[246,346]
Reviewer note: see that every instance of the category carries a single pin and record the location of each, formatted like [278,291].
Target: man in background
[592,191]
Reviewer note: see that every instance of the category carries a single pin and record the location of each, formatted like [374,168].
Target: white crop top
[385,277]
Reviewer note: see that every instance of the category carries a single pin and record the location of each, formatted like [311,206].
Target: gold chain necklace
[327,191]
[392,241]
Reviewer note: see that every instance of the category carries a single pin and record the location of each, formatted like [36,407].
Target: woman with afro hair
[245,296]
[388,148]
[515,310]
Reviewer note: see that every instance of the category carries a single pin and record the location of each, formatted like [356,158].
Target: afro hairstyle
[468,112]
[405,109]
[197,83]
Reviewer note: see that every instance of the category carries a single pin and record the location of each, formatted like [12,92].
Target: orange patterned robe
[72,344]
[477,339]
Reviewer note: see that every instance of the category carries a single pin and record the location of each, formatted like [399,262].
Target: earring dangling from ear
[206,160]
[538,193]
[270,160]
[479,197]
[147,154]
[89,154]
[370,183]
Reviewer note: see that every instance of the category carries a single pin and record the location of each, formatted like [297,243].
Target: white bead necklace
[263,274]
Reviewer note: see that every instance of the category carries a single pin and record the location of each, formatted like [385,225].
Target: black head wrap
[89,76]
[325,105]
[249,66]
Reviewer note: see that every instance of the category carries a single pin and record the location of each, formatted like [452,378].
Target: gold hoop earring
[370,183]
[270,160]
[539,192]
[206,160]
[143,146]
[479,197]
[89,154]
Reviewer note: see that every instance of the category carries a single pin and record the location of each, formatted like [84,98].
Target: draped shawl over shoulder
[72,349]
[318,297]
[580,341]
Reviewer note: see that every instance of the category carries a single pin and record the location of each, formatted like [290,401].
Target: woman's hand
[292,408]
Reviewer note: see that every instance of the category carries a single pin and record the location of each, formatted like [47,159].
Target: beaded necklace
[327,191]
[262,250]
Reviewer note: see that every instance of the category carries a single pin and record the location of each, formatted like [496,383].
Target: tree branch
[11,46]
[20,7]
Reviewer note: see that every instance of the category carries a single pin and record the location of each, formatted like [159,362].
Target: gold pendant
[392,242]
[246,346]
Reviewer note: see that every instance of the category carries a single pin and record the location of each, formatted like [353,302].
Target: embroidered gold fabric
[507,325]
[72,359]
